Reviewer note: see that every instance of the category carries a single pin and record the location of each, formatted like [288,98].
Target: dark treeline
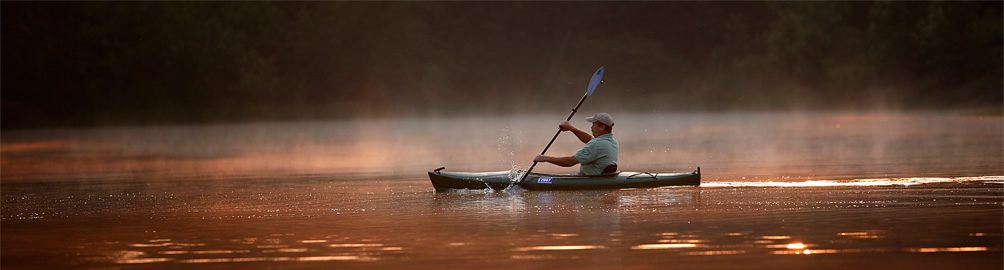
[123,63]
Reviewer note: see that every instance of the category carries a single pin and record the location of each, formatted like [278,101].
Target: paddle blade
[595,81]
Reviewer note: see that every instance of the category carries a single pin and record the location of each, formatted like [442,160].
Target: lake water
[834,190]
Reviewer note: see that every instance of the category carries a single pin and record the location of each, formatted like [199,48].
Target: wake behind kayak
[444,181]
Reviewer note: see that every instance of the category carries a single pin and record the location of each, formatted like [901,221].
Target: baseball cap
[602,118]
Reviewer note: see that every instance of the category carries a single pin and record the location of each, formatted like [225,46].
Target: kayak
[444,181]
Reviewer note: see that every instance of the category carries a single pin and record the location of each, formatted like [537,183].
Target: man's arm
[581,134]
[560,161]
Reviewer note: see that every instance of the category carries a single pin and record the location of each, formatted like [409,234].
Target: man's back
[598,153]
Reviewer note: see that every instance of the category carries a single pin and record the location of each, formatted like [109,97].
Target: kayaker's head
[602,124]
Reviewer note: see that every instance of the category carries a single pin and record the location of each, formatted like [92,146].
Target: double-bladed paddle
[595,81]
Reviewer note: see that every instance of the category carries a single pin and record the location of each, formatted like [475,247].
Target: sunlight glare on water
[860,182]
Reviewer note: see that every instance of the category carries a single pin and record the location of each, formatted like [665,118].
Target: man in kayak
[599,156]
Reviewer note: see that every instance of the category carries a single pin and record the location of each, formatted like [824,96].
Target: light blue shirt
[598,153]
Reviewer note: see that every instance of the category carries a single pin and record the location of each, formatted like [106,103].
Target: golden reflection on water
[951,249]
[564,235]
[691,241]
[874,182]
[280,259]
[713,252]
[557,243]
[863,235]
[579,247]
[355,245]
[286,250]
[879,250]
[775,237]
[663,246]
[168,244]
[333,248]
[795,246]
[152,251]
[134,257]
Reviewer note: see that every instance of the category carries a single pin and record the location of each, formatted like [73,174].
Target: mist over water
[727,146]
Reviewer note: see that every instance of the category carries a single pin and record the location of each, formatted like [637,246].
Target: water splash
[506,147]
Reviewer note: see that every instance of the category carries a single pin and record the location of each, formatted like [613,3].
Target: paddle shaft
[552,138]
